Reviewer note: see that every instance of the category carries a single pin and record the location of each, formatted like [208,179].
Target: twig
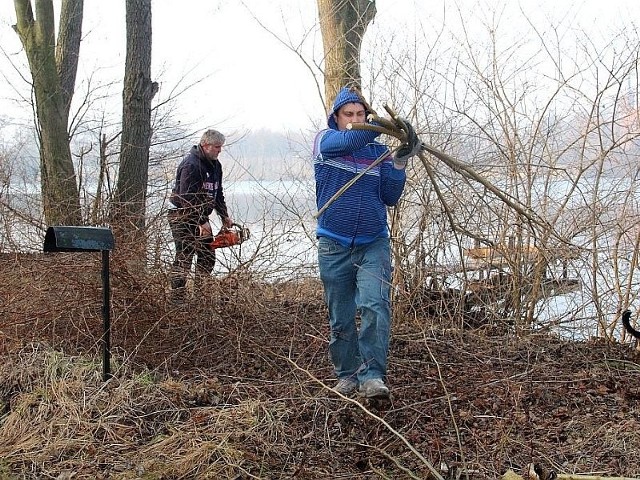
[431,468]
[570,476]
[450,407]
[466,171]
[392,459]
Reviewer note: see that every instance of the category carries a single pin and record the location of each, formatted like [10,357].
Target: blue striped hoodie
[359,215]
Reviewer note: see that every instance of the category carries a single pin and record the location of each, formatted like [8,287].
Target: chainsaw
[228,237]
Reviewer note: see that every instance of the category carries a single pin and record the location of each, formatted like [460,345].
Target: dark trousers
[189,244]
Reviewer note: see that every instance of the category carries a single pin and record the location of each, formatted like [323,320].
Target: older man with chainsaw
[197,192]
[354,253]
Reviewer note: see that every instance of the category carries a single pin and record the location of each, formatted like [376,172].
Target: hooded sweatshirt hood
[344,96]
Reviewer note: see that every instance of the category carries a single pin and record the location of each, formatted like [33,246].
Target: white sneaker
[374,388]
[345,386]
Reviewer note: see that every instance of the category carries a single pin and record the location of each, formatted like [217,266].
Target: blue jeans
[357,279]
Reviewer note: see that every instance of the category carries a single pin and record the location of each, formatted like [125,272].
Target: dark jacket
[198,188]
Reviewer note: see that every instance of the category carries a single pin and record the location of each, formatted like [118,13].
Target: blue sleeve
[392,183]
[336,143]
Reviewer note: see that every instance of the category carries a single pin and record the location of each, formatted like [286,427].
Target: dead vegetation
[234,385]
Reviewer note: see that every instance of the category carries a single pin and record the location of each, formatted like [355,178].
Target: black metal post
[69,238]
[106,317]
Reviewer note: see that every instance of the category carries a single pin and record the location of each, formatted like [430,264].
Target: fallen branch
[459,167]
[570,476]
[456,165]
[392,128]
[511,475]
[435,474]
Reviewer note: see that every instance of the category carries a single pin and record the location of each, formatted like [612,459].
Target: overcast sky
[246,78]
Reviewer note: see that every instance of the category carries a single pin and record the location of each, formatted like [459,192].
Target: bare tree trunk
[68,48]
[343,24]
[128,209]
[53,70]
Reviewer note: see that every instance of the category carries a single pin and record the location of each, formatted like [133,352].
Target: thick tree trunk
[68,48]
[129,206]
[343,24]
[60,196]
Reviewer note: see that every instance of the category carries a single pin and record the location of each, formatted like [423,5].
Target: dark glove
[411,147]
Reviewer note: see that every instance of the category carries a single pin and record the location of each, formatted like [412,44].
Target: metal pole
[106,318]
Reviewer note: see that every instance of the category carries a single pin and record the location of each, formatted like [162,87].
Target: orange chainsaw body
[228,237]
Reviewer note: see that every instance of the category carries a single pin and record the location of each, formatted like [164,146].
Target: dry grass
[235,385]
[61,418]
